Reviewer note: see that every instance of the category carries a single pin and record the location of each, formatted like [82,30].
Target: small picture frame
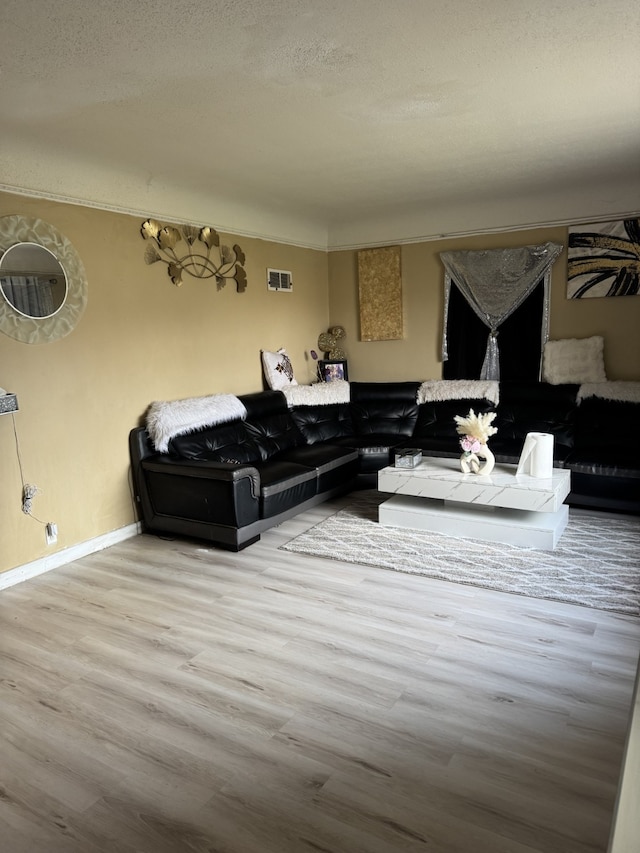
[332,370]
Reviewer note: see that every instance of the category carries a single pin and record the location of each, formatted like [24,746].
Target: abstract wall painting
[604,259]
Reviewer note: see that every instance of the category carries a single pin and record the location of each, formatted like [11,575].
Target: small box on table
[408,457]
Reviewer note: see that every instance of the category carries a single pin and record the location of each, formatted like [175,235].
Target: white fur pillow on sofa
[278,370]
[574,360]
[441,390]
[319,394]
[166,419]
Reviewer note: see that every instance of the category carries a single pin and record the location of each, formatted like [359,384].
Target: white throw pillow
[574,360]
[278,370]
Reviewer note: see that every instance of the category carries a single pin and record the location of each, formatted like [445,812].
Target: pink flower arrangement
[475,430]
[470,444]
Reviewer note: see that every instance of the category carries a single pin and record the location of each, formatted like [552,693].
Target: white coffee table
[499,507]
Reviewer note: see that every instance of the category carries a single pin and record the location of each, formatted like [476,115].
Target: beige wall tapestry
[380,294]
[604,259]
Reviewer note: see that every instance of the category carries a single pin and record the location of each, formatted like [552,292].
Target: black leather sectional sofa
[230,482]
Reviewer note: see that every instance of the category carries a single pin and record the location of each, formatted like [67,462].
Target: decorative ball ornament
[328,343]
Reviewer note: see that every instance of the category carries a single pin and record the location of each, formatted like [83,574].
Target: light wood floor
[163,696]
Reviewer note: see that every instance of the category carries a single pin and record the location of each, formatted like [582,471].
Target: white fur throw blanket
[319,394]
[178,417]
[626,392]
[437,390]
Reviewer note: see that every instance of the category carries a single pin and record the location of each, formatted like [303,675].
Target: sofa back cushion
[436,418]
[536,407]
[606,423]
[323,423]
[385,408]
[223,443]
[269,424]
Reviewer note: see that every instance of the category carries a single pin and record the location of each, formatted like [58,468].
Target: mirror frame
[39,330]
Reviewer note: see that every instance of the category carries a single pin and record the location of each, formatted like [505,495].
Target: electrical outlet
[51,532]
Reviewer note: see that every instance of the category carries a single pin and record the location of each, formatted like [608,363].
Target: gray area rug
[596,563]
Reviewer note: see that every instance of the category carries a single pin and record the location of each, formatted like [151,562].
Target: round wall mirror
[32,280]
[43,288]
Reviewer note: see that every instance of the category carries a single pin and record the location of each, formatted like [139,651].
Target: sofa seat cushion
[609,461]
[334,465]
[506,453]
[508,450]
[323,423]
[620,494]
[284,485]
[225,443]
[375,451]
[441,447]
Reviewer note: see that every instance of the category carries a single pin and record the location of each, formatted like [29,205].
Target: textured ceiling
[326,123]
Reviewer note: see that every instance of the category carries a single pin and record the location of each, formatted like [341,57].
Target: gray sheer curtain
[31,295]
[495,282]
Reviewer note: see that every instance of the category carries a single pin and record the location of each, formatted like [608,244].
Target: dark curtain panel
[519,339]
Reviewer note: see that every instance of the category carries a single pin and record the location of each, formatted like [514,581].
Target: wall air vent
[279,280]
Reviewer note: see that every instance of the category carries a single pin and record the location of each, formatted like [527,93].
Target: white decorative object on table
[470,459]
[536,458]
[475,431]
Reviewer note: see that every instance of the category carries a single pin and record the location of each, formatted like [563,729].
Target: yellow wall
[417,356]
[140,339]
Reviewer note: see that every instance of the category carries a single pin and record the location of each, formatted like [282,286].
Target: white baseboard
[67,555]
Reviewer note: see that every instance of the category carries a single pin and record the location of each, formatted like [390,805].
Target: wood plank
[165,696]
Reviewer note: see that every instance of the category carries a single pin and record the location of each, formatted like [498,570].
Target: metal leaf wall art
[193,250]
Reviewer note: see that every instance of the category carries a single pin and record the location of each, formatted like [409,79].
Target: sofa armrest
[220,493]
[226,472]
